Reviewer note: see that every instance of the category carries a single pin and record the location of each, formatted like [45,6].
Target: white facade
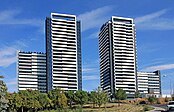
[31,70]
[149,83]
[117,47]
[63,52]
[142,82]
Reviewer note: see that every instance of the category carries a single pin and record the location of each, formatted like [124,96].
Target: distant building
[142,82]
[63,52]
[149,83]
[31,70]
[117,50]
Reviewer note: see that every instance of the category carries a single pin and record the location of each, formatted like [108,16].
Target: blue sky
[22,28]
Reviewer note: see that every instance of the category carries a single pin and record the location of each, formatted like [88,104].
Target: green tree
[44,101]
[152,99]
[93,98]
[3,100]
[11,105]
[137,94]
[105,99]
[62,100]
[34,105]
[81,97]
[101,97]
[33,101]
[70,97]
[166,99]
[58,98]
[24,94]
[120,94]
[17,101]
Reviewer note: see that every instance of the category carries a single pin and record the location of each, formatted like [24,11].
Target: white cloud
[8,53]
[90,77]
[93,35]
[166,91]
[159,67]
[8,56]
[90,66]
[149,47]
[5,62]
[155,21]
[88,70]
[94,18]
[11,17]
[10,82]
[153,63]
[150,16]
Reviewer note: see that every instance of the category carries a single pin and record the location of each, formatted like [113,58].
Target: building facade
[117,50]
[149,83]
[63,52]
[142,82]
[31,70]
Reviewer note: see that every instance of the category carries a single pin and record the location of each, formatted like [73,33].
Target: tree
[152,99]
[44,101]
[17,101]
[105,99]
[137,94]
[24,94]
[120,94]
[62,100]
[11,105]
[81,97]
[93,97]
[70,96]
[101,97]
[166,99]
[33,101]
[58,98]
[1,77]
[3,100]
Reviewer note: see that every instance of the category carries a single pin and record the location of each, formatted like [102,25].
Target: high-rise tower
[63,52]
[117,49]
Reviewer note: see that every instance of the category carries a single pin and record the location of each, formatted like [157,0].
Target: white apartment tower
[31,70]
[63,52]
[117,50]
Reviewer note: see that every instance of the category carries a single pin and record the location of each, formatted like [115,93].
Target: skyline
[151,24]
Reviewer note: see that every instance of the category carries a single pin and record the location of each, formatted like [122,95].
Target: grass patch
[110,107]
[147,108]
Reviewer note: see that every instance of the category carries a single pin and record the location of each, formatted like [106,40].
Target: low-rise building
[31,70]
[149,83]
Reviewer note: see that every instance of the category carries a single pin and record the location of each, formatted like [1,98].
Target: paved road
[158,108]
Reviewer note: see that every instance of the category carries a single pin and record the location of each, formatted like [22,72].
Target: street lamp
[171,90]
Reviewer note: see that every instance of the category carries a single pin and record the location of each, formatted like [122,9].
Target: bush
[147,108]
[143,102]
[166,99]
[160,101]
[152,99]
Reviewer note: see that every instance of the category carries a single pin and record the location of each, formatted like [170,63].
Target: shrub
[143,102]
[160,101]
[147,108]
[152,99]
[166,99]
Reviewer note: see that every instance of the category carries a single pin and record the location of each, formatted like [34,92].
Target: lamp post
[171,90]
